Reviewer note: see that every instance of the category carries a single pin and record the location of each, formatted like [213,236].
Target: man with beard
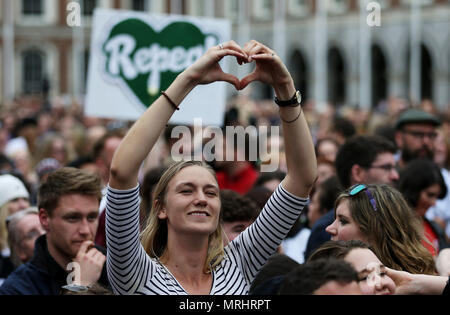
[65,256]
[415,135]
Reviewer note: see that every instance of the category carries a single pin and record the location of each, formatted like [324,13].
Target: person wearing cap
[415,135]
[13,198]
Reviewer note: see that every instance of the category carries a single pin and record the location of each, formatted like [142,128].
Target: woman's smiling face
[192,202]
[371,272]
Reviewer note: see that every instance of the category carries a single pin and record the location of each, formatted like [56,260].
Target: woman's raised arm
[300,154]
[143,135]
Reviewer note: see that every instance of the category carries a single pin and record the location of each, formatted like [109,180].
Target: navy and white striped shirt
[132,271]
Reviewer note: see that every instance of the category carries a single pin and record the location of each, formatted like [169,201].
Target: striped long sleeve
[132,271]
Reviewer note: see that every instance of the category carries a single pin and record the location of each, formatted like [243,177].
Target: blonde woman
[182,250]
[13,197]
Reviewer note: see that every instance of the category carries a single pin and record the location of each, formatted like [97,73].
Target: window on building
[297,8]
[337,6]
[379,76]
[262,9]
[32,7]
[33,65]
[299,66]
[232,9]
[408,3]
[426,72]
[336,77]
[86,56]
[89,6]
[139,5]
[176,6]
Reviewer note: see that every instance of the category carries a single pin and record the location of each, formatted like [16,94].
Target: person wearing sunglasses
[379,216]
[367,159]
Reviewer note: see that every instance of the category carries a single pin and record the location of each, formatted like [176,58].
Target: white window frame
[260,11]
[199,8]
[231,8]
[384,4]
[49,14]
[299,8]
[157,6]
[423,3]
[337,7]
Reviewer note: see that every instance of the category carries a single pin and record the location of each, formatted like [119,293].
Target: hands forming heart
[269,68]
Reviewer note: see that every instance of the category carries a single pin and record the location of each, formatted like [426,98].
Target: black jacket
[42,275]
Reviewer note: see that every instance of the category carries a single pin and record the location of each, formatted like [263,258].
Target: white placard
[136,55]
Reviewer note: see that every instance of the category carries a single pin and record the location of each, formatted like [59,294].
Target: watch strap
[294,101]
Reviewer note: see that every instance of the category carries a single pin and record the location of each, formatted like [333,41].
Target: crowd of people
[359,203]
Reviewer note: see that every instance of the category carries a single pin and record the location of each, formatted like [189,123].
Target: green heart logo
[145,61]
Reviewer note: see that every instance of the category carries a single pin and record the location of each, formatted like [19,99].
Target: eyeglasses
[356,189]
[421,135]
[385,167]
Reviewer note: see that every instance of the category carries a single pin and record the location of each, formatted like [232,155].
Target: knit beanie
[11,188]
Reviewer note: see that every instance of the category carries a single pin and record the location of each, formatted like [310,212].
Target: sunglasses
[356,189]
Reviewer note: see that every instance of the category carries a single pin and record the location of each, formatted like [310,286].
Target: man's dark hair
[336,249]
[361,150]
[277,265]
[268,176]
[344,127]
[67,181]
[81,161]
[149,182]
[236,207]
[309,277]
[328,193]
[259,195]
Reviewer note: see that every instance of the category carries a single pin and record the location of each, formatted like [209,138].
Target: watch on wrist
[294,101]
[75,287]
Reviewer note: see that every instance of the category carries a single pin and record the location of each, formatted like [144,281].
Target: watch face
[298,97]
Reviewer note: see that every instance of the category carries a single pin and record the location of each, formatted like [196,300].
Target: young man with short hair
[68,203]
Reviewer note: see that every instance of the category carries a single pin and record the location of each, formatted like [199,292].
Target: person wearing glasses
[415,135]
[379,216]
[372,274]
[367,159]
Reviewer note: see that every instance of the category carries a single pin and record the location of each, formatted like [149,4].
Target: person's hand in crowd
[410,284]
[91,263]
[443,262]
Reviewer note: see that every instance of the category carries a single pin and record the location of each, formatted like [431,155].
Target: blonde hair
[4,213]
[393,231]
[154,235]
